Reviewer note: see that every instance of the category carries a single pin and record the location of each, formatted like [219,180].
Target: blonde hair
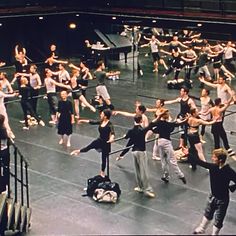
[221,154]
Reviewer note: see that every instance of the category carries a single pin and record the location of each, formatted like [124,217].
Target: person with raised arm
[103,142]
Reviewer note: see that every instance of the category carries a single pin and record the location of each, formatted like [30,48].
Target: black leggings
[218,132]
[100,146]
[26,107]
[34,98]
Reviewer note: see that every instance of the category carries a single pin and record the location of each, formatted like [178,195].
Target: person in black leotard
[103,143]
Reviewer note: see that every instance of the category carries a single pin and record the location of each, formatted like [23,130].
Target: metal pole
[22,180]
[15,176]
[27,184]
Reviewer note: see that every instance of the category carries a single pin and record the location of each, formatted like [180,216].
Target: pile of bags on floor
[179,83]
[101,189]
[181,154]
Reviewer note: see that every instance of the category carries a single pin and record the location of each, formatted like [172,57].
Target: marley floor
[57,179]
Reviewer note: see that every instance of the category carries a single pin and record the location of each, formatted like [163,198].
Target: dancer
[4,112]
[220,176]
[6,86]
[224,92]
[52,95]
[164,128]
[218,130]
[65,117]
[193,135]
[103,143]
[159,107]
[77,94]
[154,43]
[85,76]
[206,104]
[35,84]
[139,110]
[186,103]
[26,106]
[4,156]
[136,137]
[101,89]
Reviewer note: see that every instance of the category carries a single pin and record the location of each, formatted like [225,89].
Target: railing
[19,177]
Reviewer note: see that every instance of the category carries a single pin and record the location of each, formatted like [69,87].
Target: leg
[199,149]
[85,102]
[76,106]
[221,209]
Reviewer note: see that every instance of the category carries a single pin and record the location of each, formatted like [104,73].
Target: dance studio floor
[57,180]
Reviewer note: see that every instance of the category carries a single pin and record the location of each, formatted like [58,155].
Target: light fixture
[113,18]
[72,25]
[199,24]
[0,24]
[77,15]
[154,21]
[41,18]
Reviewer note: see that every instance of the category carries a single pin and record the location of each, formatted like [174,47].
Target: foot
[149,194]
[41,123]
[93,109]
[156,158]
[199,230]
[138,189]
[68,144]
[75,152]
[61,141]
[183,180]
[155,70]
[230,152]
[119,158]
[52,122]
[25,128]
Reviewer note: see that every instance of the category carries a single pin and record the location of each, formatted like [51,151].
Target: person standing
[220,176]
[136,137]
[101,76]
[164,128]
[65,117]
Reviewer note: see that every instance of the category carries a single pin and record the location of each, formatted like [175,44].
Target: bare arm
[208,83]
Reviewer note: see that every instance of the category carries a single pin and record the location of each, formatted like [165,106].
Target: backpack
[93,182]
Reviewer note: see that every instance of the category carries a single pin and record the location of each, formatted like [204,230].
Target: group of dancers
[58,80]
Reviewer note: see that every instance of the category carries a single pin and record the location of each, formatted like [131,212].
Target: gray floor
[57,179]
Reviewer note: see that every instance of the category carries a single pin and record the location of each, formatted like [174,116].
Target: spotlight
[77,15]
[113,18]
[154,21]
[0,24]
[72,25]
[199,24]
[41,18]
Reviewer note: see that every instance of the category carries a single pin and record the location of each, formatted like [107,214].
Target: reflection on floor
[57,179]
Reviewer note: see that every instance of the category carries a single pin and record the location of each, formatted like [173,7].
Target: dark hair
[193,110]
[100,63]
[162,102]
[107,113]
[138,119]
[207,91]
[217,101]
[186,90]
[142,108]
